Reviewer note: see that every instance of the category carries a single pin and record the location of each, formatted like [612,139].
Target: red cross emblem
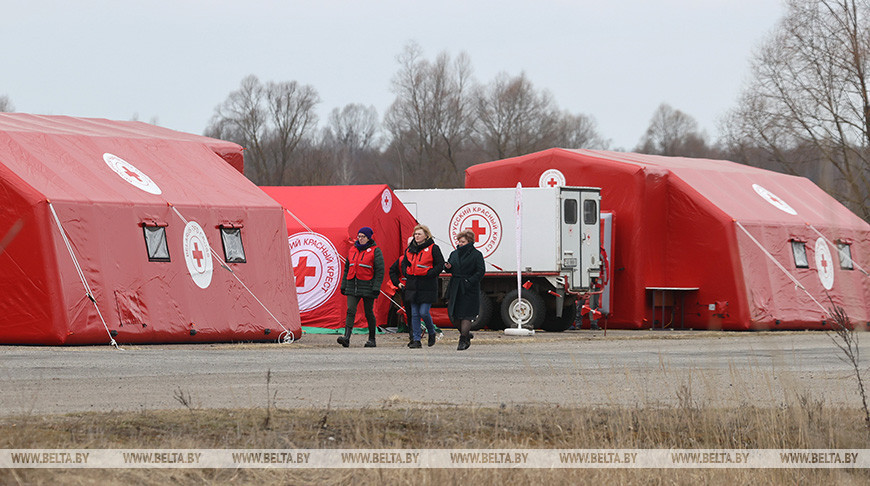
[302,270]
[132,174]
[197,254]
[552,182]
[477,229]
[824,264]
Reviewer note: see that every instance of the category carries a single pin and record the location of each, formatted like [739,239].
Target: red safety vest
[420,262]
[361,263]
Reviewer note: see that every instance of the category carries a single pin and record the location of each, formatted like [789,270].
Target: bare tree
[350,135]
[273,122]
[513,118]
[579,131]
[6,105]
[429,121]
[672,132]
[808,100]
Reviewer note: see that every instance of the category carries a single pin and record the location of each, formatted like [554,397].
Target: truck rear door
[580,235]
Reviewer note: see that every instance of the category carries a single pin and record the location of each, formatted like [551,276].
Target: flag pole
[522,307]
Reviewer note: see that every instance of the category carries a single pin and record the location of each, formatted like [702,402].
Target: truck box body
[560,227]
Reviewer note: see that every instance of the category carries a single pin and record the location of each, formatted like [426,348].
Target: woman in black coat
[419,267]
[467,269]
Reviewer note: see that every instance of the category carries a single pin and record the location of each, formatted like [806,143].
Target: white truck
[560,247]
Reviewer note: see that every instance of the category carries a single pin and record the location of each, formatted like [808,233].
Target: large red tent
[711,244]
[322,222]
[124,230]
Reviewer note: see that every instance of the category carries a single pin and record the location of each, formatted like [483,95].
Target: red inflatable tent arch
[711,244]
[147,222]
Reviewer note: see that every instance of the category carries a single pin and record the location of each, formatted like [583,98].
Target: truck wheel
[559,324]
[484,314]
[530,310]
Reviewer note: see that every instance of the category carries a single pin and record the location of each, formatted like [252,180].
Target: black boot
[372,331]
[415,345]
[345,340]
[432,339]
[464,343]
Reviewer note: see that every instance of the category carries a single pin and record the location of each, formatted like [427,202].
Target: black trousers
[368,306]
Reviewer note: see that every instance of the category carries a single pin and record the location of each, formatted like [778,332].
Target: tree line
[805,111]
[439,124]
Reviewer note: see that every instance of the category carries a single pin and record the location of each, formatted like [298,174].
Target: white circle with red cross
[483,221]
[197,254]
[131,174]
[824,264]
[316,268]
[551,178]
[773,199]
[387,201]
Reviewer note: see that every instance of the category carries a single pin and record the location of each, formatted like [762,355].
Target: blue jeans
[420,311]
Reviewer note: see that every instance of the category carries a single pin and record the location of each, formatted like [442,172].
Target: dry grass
[807,423]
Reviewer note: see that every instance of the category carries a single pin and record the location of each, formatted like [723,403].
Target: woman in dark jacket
[420,266]
[361,280]
[467,269]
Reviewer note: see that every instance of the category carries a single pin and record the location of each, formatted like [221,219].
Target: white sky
[176,60]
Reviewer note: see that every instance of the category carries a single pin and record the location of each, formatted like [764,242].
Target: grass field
[805,423]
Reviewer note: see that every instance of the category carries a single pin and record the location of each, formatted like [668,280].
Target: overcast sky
[174,61]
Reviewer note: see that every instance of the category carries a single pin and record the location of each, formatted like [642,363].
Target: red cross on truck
[477,229]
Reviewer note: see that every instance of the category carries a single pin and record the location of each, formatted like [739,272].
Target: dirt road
[577,368]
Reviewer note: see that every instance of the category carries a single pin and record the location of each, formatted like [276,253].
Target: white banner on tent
[197,254]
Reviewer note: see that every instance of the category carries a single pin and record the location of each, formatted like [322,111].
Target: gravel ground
[574,368]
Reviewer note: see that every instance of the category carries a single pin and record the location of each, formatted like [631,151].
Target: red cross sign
[477,229]
[302,270]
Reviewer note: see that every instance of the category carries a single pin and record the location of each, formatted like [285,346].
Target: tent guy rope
[81,273]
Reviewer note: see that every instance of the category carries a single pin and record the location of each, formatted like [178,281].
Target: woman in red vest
[420,266]
[363,274]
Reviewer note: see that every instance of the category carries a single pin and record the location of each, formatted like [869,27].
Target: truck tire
[484,314]
[534,310]
[559,324]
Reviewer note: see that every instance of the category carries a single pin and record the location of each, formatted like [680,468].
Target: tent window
[799,249]
[570,211]
[155,242]
[845,252]
[590,212]
[234,251]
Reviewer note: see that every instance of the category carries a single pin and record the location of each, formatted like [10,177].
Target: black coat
[365,288]
[463,292]
[422,289]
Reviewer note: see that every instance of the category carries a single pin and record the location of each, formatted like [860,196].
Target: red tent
[322,223]
[106,228]
[711,244]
